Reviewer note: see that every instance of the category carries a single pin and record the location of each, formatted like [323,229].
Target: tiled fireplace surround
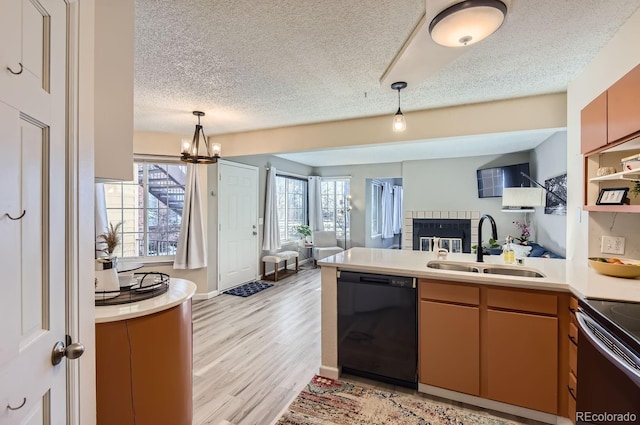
[407,228]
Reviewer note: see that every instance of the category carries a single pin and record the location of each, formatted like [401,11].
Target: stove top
[625,316]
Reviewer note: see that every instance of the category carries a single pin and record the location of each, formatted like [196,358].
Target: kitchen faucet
[494,233]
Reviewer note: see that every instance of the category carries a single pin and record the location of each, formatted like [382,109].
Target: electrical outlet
[612,245]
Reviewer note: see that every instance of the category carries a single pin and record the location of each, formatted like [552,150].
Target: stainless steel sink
[456,267]
[512,271]
[484,268]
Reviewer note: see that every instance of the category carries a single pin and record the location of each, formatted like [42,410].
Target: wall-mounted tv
[491,181]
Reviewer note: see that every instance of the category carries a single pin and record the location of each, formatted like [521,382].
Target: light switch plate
[612,245]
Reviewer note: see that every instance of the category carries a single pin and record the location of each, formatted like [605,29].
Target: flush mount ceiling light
[399,123]
[191,151]
[467,22]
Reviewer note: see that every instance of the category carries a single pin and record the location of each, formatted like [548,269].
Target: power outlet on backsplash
[612,245]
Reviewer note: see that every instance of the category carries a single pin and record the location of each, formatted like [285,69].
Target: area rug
[325,401]
[248,289]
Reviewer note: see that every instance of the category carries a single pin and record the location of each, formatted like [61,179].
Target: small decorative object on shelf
[635,190]
[111,238]
[613,196]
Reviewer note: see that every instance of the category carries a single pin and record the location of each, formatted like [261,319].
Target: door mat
[248,289]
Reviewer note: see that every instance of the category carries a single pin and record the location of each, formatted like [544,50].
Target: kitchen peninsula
[144,359]
[508,333]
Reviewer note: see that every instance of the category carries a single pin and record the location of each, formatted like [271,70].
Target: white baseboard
[490,404]
[205,296]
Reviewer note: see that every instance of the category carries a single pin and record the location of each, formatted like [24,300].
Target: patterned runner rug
[248,289]
[325,401]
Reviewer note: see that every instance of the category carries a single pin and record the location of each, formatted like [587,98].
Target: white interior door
[237,224]
[32,210]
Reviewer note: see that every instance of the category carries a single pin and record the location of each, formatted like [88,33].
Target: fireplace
[454,233]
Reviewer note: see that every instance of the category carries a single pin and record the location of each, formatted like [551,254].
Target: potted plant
[111,238]
[525,232]
[303,230]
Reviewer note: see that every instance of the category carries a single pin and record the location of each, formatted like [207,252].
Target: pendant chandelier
[399,123]
[194,153]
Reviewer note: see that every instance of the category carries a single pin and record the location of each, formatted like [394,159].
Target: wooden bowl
[629,270]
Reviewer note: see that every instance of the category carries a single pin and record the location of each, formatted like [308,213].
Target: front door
[32,210]
[238,224]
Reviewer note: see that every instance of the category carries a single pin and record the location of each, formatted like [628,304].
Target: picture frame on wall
[556,195]
[613,196]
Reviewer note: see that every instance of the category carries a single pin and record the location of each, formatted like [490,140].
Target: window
[150,209]
[376,209]
[334,198]
[292,205]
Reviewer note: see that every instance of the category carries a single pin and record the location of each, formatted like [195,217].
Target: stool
[275,260]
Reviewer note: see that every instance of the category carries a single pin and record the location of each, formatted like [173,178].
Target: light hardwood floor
[252,356]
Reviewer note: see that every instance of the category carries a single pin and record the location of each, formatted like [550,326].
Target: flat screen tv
[491,181]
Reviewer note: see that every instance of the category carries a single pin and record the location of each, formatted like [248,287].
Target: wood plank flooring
[252,356]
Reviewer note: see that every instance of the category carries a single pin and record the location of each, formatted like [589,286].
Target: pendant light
[467,22]
[399,123]
[191,151]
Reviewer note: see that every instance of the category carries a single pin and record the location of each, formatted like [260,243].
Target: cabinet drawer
[573,359]
[573,304]
[573,332]
[522,301]
[449,292]
[571,410]
[573,385]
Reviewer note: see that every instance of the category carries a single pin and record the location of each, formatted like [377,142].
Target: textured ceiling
[261,64]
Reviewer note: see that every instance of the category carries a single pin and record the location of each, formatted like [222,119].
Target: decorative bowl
[625,268]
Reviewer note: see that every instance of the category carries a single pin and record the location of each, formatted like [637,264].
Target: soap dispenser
[509,254]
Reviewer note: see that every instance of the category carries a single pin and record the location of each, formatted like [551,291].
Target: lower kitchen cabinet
[522,359]
[450,346]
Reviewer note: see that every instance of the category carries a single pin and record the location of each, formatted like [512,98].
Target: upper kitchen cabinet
[623,107]
[113,114]
[593,120]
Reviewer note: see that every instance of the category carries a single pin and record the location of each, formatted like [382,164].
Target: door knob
[71,351]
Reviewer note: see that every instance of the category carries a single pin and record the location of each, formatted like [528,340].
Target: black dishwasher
[377,327]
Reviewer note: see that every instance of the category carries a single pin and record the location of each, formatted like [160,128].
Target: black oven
[608,390]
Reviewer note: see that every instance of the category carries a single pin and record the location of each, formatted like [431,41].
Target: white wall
[548,160]
[584,230]
[451,185]
[358,187]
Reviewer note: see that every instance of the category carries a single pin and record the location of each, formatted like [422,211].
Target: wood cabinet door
[449,351]
[593,124]
[522,360]
[623,108]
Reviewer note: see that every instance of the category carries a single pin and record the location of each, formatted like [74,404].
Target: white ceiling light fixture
[467,22]
[399,123]
[192,152]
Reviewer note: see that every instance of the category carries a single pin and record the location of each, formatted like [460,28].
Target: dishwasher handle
[376,279]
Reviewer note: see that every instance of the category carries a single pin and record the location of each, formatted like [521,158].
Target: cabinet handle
[572,391]
[14,72]
[573,339]
[16,218]
[573,310]
[24,401]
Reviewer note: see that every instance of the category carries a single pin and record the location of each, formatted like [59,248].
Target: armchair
[325,244]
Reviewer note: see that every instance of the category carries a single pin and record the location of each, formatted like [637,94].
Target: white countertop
[179,291]
[560,275]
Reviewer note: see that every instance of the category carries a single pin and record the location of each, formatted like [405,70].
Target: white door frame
[81,377]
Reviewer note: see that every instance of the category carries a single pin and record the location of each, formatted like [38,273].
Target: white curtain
[387,211]
[101,220]
[191,252]
[315,203]
[271,237]
[397,209]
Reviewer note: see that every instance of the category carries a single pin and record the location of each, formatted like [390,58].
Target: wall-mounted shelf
[613,208]
[622,175]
